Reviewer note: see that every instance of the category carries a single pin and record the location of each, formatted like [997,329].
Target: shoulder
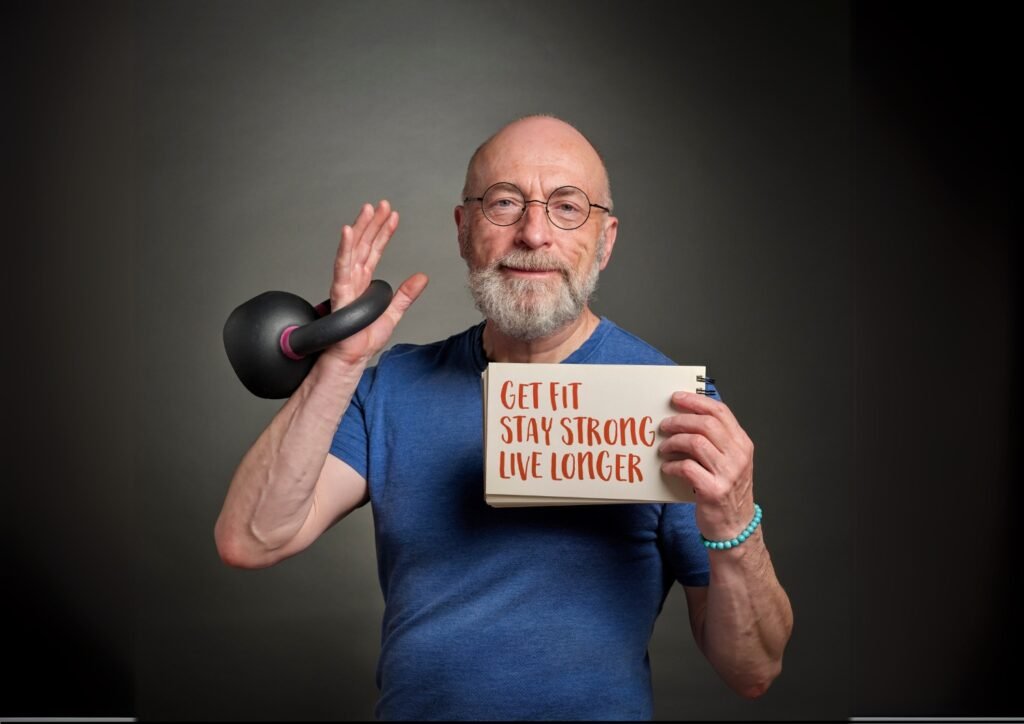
[616,345]
[410,364]
[462,349]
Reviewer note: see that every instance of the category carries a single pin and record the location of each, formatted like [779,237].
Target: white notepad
[565,434]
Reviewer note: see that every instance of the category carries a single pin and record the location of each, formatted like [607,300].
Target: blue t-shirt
[503,613]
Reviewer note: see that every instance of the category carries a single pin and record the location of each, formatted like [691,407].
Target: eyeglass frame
[544,203]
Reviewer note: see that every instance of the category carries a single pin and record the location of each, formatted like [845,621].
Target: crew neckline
[578,356]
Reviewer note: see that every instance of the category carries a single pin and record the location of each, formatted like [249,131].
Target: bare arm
[287,489]
[743,620]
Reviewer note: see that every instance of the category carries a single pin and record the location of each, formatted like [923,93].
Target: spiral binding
[705,380]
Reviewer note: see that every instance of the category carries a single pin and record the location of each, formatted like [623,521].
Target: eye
[569,204]
[503,204]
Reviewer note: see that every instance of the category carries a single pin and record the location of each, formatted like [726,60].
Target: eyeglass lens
[504,204]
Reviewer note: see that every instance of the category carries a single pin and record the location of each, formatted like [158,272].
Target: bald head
[539,148]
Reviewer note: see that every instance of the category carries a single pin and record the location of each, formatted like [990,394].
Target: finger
[346,244]
[380,241]
[339,292]
[348,282]
[704,405]
[350,276]
[408,292]
[705,425]
[379,222]
[355,231]
[692,472]
[693,446]
[362,220]
[343,259]
[700,404]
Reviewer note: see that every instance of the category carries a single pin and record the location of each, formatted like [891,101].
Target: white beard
[529,309]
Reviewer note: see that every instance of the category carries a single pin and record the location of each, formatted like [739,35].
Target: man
[539,613]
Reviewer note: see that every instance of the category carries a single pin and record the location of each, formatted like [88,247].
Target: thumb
[407,293]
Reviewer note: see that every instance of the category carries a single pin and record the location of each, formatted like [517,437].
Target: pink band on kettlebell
[286,346]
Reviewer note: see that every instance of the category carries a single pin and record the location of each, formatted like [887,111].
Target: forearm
[273,490]
[748,619]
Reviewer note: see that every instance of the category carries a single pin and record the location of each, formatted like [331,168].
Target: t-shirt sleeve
[682,547]
[352,438]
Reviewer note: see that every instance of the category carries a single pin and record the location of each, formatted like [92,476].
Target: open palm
[359,252]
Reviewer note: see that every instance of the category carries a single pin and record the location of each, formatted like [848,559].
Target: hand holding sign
[707,448]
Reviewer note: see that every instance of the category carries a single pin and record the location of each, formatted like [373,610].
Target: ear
[459,214]
[611,230]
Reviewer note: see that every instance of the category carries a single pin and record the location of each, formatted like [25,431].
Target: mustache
[531,261]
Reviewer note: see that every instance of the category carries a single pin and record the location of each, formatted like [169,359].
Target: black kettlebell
[273,339]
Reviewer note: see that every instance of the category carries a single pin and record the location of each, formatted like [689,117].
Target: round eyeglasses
[567,207]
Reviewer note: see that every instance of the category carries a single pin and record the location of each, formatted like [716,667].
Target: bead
[722,545]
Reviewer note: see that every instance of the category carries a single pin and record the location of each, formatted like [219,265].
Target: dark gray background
[812,202]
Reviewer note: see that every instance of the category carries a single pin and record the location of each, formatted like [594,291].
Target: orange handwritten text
[522,395]
[523,428]
[618,467]
[527,395]
[519,465]
[566,396]
[592,431]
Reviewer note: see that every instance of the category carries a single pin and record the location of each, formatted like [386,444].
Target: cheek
[482,246]
[582,253]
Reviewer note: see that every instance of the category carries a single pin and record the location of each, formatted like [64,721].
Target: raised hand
[359,251]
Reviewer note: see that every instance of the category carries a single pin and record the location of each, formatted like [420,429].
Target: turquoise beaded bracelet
[721,545]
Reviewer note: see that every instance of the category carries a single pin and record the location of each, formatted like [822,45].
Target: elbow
[233,552]
[231,556]
[754,691]
[757,687]
[771,667]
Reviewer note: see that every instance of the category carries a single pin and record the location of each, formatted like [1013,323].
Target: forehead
[540,157]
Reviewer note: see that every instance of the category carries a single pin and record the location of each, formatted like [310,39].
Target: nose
[534,229]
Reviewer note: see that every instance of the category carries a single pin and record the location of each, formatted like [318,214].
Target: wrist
[729,543]
[328,387]
[336,369]
[725,519]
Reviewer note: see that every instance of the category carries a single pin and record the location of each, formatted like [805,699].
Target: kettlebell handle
[273,339]
[299,341]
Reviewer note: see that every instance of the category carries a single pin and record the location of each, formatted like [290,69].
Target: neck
[499,347]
